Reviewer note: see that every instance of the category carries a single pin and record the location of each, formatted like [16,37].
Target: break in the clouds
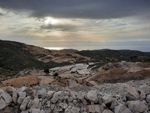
[81,24]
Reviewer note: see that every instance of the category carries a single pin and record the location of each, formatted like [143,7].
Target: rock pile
[34,100]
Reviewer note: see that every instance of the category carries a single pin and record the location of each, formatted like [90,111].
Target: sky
[77,24]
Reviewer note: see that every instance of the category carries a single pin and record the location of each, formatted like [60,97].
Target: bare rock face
[137,106]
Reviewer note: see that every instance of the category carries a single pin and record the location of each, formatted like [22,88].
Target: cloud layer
[91,9]
[80,24]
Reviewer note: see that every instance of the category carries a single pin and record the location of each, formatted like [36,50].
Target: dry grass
[21,81]
[118,75]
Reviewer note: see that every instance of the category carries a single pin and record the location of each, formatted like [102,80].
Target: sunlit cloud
[77,24]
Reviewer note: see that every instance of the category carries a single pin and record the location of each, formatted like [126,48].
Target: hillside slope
[116,55]
[15,56]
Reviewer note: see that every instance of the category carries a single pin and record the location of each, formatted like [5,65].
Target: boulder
[36,111]
[94,108]
[79,80]
[33,104]
[148,98]
[83,72]
[10,89]
[102,107]
[81,95]
[107,99]
[75,109]
[137,106]
[97,108]
[50,94]
[29,92]
[14,96]
[107,111]
[121,109]
[145,90]
[91,108]
[24,103]
[63,105]
[3,104]
[7,98]
[74,102]
[41,93]
[92,96]
[114,103]
[25,111]
[92,84]
[22,89]
[22,95]
[132,94]
[56,96]
[42,111]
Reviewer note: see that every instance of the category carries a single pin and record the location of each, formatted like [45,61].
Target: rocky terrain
[81,74]
[38,80]
[120,98]
[122,72]
[15,56]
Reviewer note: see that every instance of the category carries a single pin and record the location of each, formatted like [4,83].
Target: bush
[56,74]
[46,70]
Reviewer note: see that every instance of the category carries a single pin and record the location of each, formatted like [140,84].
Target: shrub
[46,70]
[56,74]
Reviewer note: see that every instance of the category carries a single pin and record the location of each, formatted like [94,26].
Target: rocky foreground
[83,99]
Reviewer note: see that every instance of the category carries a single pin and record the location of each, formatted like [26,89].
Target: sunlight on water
[54,48]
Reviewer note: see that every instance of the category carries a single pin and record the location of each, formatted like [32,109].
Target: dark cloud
[1,14]
[60,27]
[97,9]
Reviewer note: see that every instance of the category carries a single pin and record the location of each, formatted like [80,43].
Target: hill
[15,56]
[70,50]
[116,55]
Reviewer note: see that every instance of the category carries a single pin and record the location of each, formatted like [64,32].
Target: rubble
[46,100]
